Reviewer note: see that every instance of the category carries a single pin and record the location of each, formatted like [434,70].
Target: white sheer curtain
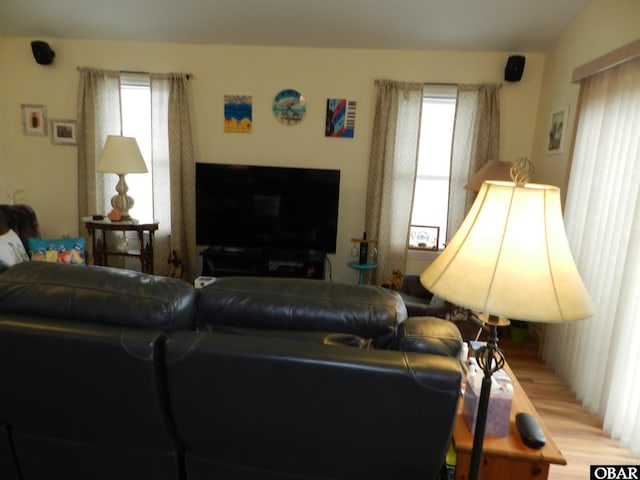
[392,172]
[600,356]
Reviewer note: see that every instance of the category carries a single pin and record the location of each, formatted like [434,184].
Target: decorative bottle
[364,250]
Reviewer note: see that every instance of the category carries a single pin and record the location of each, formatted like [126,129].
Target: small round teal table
[362,267]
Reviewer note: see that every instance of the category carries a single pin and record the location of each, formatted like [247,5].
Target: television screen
[267,207]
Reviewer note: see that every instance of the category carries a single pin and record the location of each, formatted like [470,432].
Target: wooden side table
[507,458]
[101,250]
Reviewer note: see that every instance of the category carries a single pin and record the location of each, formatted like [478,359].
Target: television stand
[219,261]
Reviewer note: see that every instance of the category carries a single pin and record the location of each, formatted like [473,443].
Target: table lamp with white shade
[509,258]
[121,155]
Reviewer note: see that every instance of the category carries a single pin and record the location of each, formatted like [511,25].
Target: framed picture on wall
[63,132]
[557,130]
[34,120]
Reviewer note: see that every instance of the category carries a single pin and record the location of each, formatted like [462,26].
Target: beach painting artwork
[238,110]
[341,118]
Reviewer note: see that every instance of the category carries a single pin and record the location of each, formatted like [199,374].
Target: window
[431,191]
[135,97]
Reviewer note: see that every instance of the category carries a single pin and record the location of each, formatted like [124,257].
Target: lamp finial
[521,171]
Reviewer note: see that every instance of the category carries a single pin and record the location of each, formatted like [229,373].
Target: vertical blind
[600,357]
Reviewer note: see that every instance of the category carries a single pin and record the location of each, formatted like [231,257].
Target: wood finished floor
[577,433]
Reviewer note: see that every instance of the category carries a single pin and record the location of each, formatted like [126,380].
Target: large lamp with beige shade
[509,258]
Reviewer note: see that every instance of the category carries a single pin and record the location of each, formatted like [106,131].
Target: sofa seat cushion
[301,304]
[99,295]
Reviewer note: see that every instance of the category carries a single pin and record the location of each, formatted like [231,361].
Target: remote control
[530,430]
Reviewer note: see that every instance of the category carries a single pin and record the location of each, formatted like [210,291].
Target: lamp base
[122,201]
[490,359]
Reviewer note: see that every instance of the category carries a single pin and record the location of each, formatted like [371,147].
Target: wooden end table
[507,458]
[101,250]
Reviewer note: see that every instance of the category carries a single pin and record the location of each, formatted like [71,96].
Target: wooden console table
[507,458]
[101,250]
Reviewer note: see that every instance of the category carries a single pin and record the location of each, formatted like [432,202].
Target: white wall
[48,172]
[604,26]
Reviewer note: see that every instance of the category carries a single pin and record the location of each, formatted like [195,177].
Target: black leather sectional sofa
[113,374]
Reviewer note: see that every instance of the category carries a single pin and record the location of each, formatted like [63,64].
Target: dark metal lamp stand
[490,359]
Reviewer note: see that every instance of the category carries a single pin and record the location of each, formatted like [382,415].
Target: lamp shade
[511,258]
[121,155]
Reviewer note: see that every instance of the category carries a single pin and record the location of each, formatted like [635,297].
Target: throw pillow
[11,249]
[57,250]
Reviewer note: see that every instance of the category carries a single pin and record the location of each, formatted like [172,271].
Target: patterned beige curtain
[476,140]
[173,172]
[98,115]
[392,172]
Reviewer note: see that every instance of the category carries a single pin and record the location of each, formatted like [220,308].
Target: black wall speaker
[514,68]
[42,53]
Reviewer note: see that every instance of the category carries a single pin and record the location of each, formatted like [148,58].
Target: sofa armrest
[429,335]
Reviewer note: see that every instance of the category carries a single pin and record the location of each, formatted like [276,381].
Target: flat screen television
[246,206]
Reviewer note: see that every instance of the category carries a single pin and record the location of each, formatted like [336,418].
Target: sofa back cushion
[251,409]
[99,295]
[8,466]
[86,401]
[301,304]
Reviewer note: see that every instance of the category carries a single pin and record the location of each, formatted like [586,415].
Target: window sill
[415,254]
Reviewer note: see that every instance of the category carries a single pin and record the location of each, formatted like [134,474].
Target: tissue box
[499,404]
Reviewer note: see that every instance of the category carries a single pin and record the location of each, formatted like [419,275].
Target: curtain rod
[437,84]
[377,82]
[188,75]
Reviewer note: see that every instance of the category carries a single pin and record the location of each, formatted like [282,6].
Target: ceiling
[473,25]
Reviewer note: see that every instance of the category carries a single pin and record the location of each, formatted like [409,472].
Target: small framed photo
[63,132]
[557,130]
[423,237]
[34,120]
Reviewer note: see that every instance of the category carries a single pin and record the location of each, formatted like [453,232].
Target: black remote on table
[530,430]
